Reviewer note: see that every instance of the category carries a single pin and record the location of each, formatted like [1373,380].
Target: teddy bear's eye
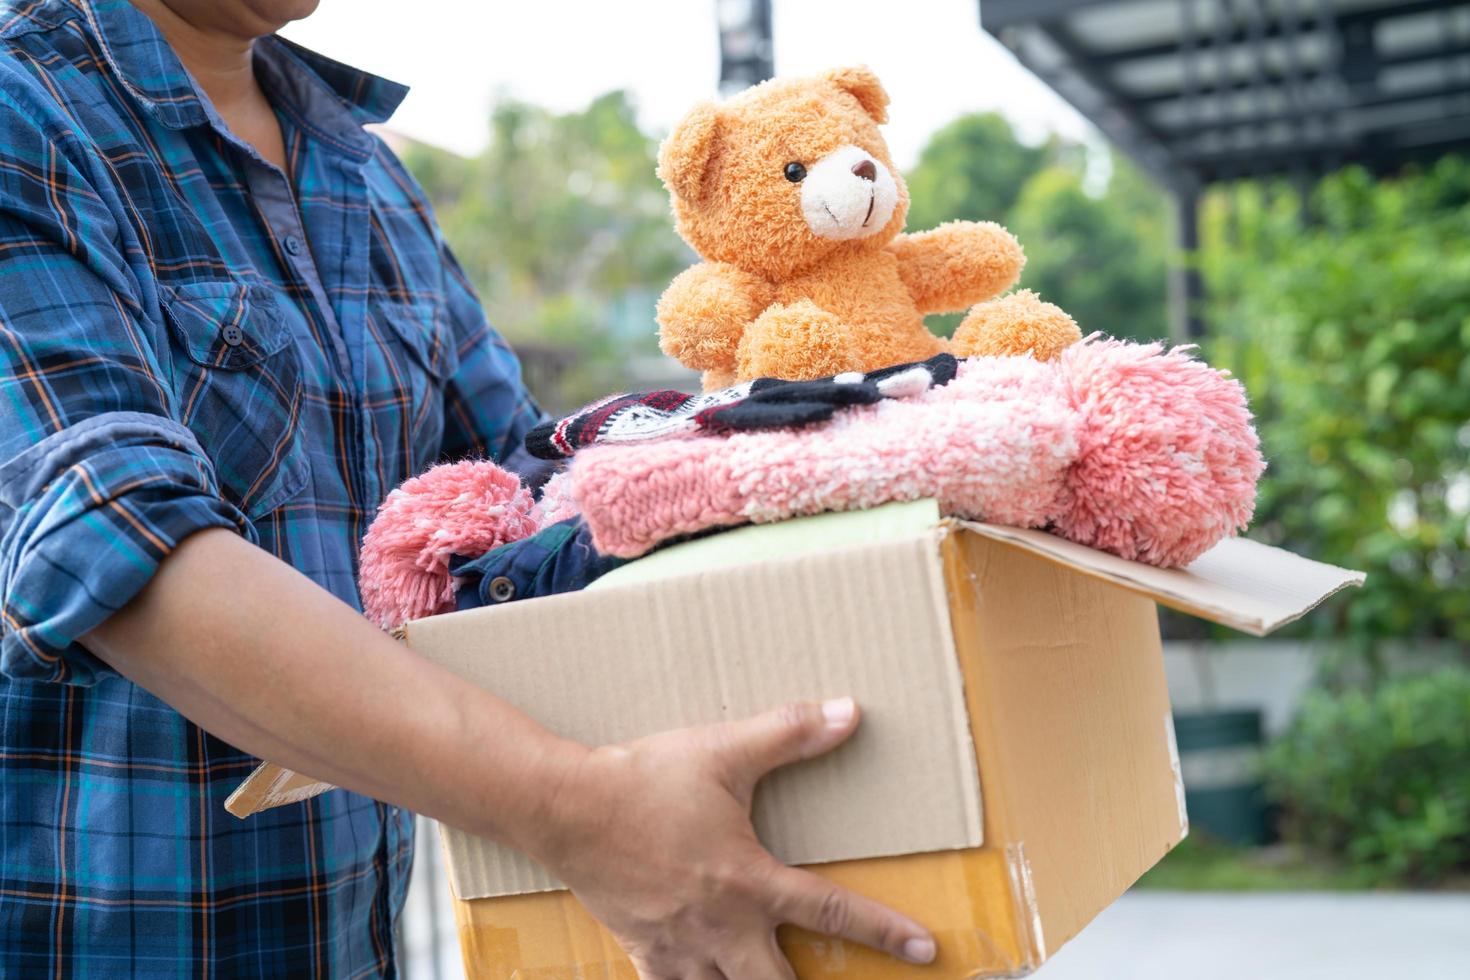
[795,172]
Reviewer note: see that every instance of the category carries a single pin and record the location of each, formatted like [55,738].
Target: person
[228,327]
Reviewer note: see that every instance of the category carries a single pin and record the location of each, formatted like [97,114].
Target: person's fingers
[758,961]
[754,746]
[806,900]
[707,972]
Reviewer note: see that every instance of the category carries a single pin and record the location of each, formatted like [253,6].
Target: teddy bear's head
[786,174]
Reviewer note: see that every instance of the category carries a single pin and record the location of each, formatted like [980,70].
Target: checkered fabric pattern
[191,338]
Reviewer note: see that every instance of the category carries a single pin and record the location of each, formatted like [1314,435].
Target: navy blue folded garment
[558,558]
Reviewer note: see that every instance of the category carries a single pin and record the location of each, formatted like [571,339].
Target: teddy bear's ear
[684,158]
[860,82]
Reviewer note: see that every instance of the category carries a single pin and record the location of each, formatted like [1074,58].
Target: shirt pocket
[239,386]
[421,358]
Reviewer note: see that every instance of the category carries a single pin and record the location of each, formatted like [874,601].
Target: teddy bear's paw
[800,342]
[1016,324]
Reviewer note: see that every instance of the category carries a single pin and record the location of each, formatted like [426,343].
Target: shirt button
[232,335]
[293,245]
[502,589]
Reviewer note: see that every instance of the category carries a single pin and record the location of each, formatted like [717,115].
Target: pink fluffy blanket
[1146,453]
[1125,447]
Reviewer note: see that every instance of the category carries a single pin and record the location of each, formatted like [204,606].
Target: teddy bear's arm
[703,313]
[958,264]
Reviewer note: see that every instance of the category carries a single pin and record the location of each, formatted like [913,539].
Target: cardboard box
[1015,771]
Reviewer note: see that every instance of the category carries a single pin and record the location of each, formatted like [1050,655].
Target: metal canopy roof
[1199,91]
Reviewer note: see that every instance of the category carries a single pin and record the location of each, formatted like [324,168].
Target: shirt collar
[331,95]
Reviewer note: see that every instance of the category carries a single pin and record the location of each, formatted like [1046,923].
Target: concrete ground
[1312,936]
[1144,936]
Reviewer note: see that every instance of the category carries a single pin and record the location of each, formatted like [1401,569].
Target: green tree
[973,169]
[558,223]
[1099,257]
[1351,334]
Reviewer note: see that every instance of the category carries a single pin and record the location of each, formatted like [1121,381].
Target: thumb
[799,730]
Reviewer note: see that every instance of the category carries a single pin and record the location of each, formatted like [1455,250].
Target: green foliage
[558,223]
[1099,256]
[1200,863]
[1382,778]
[1351,336]
[972,170]
[564,228]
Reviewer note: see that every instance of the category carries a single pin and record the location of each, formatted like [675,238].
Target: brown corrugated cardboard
[1238,583]
[730,643]
[1064,687]
[271,786]
[1035,663]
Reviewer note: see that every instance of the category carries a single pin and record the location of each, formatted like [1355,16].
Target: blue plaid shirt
[191,338]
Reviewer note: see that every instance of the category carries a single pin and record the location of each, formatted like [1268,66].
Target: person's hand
[654,837]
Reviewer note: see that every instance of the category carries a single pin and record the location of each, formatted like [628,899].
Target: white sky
[457,54]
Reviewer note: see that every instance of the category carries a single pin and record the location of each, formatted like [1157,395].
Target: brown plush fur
[774,299]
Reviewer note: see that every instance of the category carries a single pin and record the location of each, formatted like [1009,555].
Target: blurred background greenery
[1344,308]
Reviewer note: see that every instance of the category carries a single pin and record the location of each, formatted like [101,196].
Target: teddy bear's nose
[865,170]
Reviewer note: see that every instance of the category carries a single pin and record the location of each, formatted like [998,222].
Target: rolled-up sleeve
[98,480]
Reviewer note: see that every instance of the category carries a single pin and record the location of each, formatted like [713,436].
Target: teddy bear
[790,195]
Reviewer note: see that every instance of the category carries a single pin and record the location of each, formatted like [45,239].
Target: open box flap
[1239,583]
[269,786]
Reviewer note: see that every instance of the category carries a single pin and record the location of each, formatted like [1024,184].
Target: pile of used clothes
[1145,453]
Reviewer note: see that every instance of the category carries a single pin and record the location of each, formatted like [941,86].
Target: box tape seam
[974,801]
[1028,913]
[1178,770]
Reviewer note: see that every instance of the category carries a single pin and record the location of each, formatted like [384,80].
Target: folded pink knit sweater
[1145,453]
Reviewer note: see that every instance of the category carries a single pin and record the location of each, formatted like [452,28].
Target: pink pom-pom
[1167,458]
[557,502]
[453,509]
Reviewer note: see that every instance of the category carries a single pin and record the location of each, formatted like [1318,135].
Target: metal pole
[747,55]
[1186,288]
[1188,63]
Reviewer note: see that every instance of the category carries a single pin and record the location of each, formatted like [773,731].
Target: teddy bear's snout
[848,194]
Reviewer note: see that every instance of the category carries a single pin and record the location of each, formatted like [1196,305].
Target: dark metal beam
[1418,55]
[1186,287]
[1448,131]
[1068,44]
[1256,20]
[1137,131]
[1255,115]
[1296,94]
[1366,98]
[998,14]
[1273,29]
[1297,166]
[1109,114]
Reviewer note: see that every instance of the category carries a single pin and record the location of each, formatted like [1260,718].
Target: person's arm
[113,536]
[654,836]
[260,656]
